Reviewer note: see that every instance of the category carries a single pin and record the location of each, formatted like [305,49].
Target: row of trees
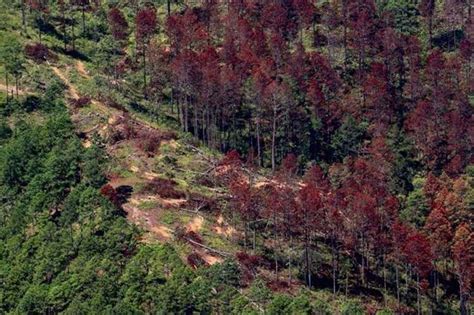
[293,76]
[299,77]
[351,214]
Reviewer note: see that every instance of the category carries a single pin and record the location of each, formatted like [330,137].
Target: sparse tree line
[351,214]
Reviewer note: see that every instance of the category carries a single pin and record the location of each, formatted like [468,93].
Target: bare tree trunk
[418,302]
[39,29]
[259,150]
[144,71]
[63,26]
[397,280]
[333,254]
[6,82]
[462,300]
[83,19]
[23,15]
[307,258]
[73,36]
[274,138]
[430,30]
[16,86]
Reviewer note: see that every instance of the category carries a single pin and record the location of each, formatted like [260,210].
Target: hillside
[247,157]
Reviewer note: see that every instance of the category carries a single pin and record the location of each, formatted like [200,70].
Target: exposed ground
[158,217]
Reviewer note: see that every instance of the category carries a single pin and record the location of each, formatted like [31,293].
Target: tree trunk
[39,30]
[307,258]
[259,150]
[63,26]
[245,235]
[16,86]
[254,239]
[397,280]
[430,30]
[186,104]
[83,19]
[73,37]
[384,280]
[23,16]
[144,71]
[334,278]
[6,83]
[462,300]
[274,138]
[168,7]
[195,121]
[418,302]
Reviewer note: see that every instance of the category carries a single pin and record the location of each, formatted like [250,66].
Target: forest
[242,157]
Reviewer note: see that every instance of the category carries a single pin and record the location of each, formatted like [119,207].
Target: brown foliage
[165,188]
[38,52]
[202,203]
[80,102]
[150,140]
[193,236]
[195,260]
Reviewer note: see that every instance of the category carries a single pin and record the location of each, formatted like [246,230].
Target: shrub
[301,305]
[322,307]
[123,129]
[149,140]
[80,102]
[110,194]
[352,308]
[191,235]
[165,188]
[202,203]
[251,262]
[5,131]
[195,260]
[279,305]
[149,143]
[38,52]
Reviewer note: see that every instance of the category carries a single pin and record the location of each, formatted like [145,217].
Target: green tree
[416,207]
[405,15]
[347,139]
[11,56]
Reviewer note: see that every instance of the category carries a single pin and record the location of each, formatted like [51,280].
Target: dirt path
[147,220]
[81,68]
[195,224]
[71,88]
[11,89]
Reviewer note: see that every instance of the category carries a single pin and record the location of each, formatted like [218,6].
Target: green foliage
[405,15]
[226,273]
[5,130]
[11,54]
[106,54]
[322,307]
[351,307]
[416,206]
[405,163]
[300,304]
[347,139]
[279,305]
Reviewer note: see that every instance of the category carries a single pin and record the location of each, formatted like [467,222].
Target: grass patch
[148,205]
[169,217]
